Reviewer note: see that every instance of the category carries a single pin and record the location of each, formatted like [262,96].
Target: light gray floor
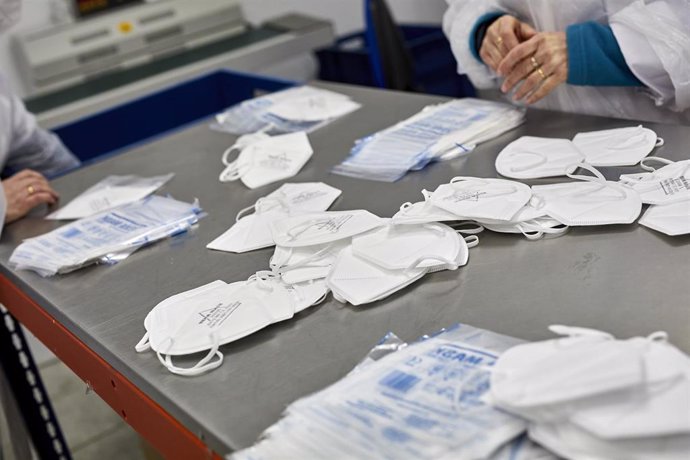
[93,430]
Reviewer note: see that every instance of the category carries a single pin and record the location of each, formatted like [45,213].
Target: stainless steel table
[628,280]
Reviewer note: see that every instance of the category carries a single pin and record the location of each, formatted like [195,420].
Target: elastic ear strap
[474,228]
[572,331]
[644,163]
[542,159]
[143,344]
[227,152]
[597,175]
[204,365]
[421,259]
[471,241]
[316,256]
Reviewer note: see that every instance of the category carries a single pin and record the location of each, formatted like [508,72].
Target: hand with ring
[540,63]
[24,191]
[504,34]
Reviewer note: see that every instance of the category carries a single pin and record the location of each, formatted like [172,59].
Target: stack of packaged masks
[106,237]
[438,132]
[358,256]
[469,394]
[425,400]
[304,108]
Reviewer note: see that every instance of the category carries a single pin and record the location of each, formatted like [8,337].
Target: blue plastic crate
[109,132]
[348,61]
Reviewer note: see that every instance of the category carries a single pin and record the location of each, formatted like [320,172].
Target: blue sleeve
[479,31]
[594,57]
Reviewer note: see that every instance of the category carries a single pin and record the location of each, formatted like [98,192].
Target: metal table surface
[628,280]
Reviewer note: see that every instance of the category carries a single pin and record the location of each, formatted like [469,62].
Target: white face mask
[671,219]
[322,228]
[254,232]
[400,247]
[592,201]
[557,379]
[314,107]
[474,198]
[358,281]
[422,212]
[297,265]
[617,147]
[536,157]
[216,314]
[270,160]
[10,13]
[569,441]
[669,184]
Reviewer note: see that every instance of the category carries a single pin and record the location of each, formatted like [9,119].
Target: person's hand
[540,63]
[24,191]
[501,37]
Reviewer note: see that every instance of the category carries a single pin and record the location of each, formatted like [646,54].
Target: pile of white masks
[111,192]
[218,313]
[253,231]
[667,190]
[538,157]
[588,395]
[107,237]
[303,108]
[263,159]
[419,401]
[439,132]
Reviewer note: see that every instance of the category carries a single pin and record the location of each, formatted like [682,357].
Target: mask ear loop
[258,207]
[471,241]
[646,167]
[297,230]
[543,159]
[445,263]
[597,179]
[474,227]
[307,260]
[143,344]
[573,331]
[234,171]
[204,365]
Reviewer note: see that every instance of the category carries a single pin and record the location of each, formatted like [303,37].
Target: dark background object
[84,8]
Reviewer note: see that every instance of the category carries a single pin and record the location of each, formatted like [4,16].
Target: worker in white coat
[618,58]
[28,153]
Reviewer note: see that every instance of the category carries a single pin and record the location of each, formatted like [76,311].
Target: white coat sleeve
[654,37]
[31,146]
[458,23]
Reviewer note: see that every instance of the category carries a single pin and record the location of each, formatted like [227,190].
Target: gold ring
[499,41]
[535,64]
[541,73]
[30,189]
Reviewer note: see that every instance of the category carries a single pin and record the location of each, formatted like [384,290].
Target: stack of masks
[667,190]
[358,256]
[107,237]
[588,395]
[304,108]
[438,132]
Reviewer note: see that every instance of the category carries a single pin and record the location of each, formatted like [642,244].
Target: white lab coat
[654,36]
[23,144]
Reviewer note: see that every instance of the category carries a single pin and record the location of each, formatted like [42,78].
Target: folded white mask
[549,380]
[534,157]
[314,107]
[422,212]
[216,314]
[399,247]
[672,219]
[254,232]
[591,201]
[617,147]
[569,441]
[269,160]
[358,281]
[198,321]
[475,198]
[296,265]
[322,228]
[669,184]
